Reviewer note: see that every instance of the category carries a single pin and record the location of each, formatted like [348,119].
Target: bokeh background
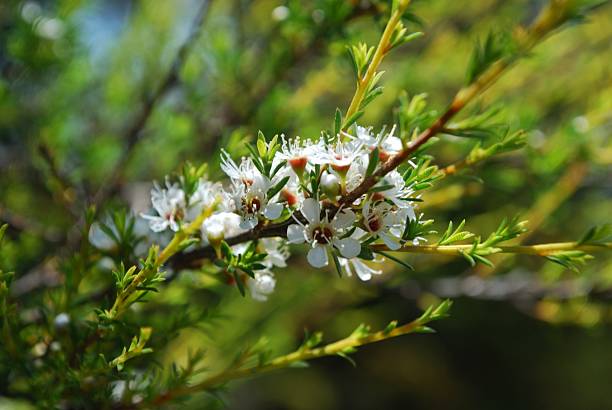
[88,113]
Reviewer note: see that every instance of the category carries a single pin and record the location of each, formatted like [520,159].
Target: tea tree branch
[383,47]
[154,262]
[539,249]
[553,15]
[360,337]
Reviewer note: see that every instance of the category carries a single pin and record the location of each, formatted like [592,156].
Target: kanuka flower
[219,226]
[169,204]
[384,221]
[276,250]
[299,153]
[261,285]
[357,266]
[387,143]
[324,234]
[207,194]
[397,193]
[341,155]
[249,192]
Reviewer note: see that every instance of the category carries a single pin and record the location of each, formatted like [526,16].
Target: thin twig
[539,250]
[340,347]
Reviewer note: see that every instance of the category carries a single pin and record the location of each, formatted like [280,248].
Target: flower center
[322,235]
[377,196]
[298,163]
[252,205]
[177,214]
[255,205]
[375,223]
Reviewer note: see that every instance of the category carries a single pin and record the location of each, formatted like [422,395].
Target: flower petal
[248,222]
[311,210]
[343,219]
[390,241]
[273,210]
[348,247]
[296,234]
[364,271]
[317,256]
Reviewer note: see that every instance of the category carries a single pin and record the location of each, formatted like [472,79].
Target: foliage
[102,295]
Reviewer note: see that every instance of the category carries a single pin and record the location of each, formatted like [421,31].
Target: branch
[545,249]
[381,51]
[136,284]
[549,19]
[361,336]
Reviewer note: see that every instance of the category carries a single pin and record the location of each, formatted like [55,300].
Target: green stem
[540,249]
[123,299]
[381,50]
[339,347]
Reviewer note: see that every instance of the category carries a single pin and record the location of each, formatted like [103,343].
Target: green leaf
[351,120]
[348,358]
[365,253]
[336,263]
[277,187]
[495,47]
[571,260]
[597,235]
[396,260]
[262,149]
[373,162]
[451,236]
[337,122]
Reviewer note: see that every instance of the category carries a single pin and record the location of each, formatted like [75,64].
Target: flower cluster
[297,187]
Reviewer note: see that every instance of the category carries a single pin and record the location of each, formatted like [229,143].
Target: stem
[381,50]
[122,300]
[540,249]
[302,354]
[548,19]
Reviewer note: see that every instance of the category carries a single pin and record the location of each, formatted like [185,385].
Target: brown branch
[548,19]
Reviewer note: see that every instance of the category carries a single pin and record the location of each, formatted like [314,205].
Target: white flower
[397,193]
[245,172]
[219,226]
[322,234]
[251,201]
[277,251]
[387,143]
[169,203]
[249,191]
[262,285]
[298,153]
[356,265]
[343,154]
[356,173]
[206,195]
[384,221]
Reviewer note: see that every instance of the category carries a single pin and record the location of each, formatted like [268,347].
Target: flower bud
[330,184]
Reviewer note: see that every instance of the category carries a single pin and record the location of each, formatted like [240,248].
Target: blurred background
[99,98]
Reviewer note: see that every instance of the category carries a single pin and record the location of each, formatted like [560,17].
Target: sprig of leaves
[248,262]
[451,235]
[136,348]
[496,45]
